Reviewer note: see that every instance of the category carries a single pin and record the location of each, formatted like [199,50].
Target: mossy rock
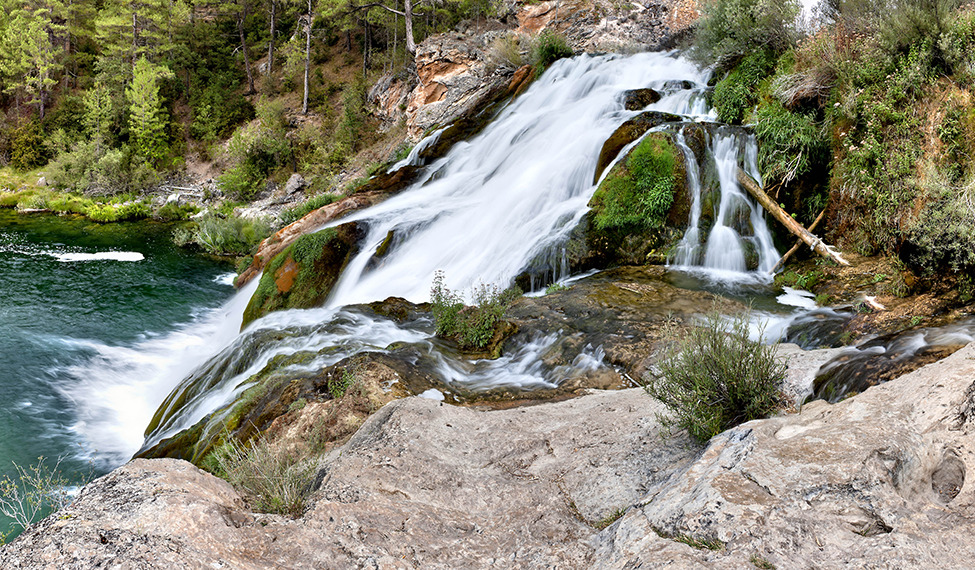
[628,132]
[638,212]
[304,273]
[636,99]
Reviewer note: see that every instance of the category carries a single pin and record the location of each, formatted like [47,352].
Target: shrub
[274,481]
[36,491]
[231,235]
[353,117]
[295,213]
[548,48]
[735,94]
[715,379]
[27,148]
[897,25]
[173,212]
[506,51]
[791,144]
[474,326]
[729,30]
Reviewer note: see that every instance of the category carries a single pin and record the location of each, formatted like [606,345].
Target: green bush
[473,326]
[353,120]
[715,379]
[735,95]
[791,144]
[173,212]
[548,48]
[27,148]
[897,26]
[230,235]
[639,196]
[729,30]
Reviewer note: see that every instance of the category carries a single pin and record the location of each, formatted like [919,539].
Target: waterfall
[738,228]
[482,214]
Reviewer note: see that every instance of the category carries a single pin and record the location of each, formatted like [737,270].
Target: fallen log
[795,248]
[817,245]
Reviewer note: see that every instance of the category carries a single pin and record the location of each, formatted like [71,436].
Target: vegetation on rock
[716,378]
[474,327]
[303,274]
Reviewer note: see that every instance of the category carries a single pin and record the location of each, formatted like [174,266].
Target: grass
[698,543]
[273,481]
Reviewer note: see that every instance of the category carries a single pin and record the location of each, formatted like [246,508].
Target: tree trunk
[304,100]
[795,248]
[270,43]
[241,16]
[408,11]
[782,216]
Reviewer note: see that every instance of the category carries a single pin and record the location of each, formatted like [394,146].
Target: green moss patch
[303,274]
[639,191]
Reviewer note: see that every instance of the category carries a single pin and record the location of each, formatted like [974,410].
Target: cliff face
[458,73]
[877,480]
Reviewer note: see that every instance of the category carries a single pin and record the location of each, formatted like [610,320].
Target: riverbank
[592,482]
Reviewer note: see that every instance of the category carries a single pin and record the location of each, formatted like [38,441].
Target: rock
[296,183]
[637,99]
[375,190]
[42,181]
[639,209]
[302,275]
[454,80]
[875,481]
[879,480]
[628,132]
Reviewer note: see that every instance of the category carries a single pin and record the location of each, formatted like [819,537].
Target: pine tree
[147,118]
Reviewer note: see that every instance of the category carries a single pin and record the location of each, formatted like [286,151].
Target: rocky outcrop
[302,276]
[458,74]
[879,480]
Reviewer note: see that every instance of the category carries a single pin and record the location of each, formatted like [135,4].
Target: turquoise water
[73,296]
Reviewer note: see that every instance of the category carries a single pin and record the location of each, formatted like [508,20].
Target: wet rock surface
[876,481]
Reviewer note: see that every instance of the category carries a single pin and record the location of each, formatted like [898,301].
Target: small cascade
[739,240]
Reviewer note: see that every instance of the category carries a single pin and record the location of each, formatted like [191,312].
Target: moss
[638,193]
[303,274]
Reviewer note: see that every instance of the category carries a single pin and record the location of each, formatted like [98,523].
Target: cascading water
[481,214]
[739,230]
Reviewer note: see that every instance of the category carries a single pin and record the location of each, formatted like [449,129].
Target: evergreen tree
[147,118]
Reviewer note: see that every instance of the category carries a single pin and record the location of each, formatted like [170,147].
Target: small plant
[339,387]
[506,51]
[610,519]
[230,235]
[700,544]
[548,48]
[555,288]
[761,563]
[295,213]
[275,481]
[473,326]
[36,491]
[716,378]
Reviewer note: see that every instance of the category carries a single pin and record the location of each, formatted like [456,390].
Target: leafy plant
[548,48]
[473,326]
[731,29]
[274,481]
[295,213]
[716,378]
[230,235]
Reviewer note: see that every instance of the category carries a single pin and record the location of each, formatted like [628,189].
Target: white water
[738,224]
[495,203]
[481,214]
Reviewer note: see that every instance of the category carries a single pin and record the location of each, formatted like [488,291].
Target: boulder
[636,99]
[628,132]
[301,276]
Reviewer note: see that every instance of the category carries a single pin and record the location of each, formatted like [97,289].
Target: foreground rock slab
[880,480]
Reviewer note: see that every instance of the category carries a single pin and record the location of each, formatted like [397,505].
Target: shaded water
[72,294]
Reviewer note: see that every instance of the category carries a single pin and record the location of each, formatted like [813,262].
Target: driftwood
[795,248]
[817,245]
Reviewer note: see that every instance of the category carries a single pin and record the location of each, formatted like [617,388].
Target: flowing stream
[481,214]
